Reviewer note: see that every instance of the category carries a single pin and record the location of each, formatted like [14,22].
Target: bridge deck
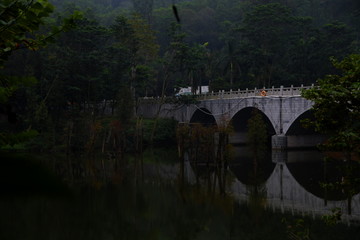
[282,91]
[262,92]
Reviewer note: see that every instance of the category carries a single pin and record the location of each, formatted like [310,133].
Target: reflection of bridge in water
[287,192]
[282,110]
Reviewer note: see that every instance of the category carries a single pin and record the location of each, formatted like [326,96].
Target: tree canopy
[337,105]
[20,23]
[124,49]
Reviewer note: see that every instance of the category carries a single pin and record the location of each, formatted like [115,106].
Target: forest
[116,51]
[78,161]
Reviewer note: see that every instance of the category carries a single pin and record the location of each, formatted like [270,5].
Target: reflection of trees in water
[257,141]
[252,164]
[209,151]
[104,152]
[348,180]
[256,201]
[207,148]
[328,179]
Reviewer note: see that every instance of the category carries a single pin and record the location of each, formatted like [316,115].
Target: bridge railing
[262,92]
[281,91]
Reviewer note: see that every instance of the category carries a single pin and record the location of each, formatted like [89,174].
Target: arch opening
[240,124]
[299,136]
[204,117]
[252,131]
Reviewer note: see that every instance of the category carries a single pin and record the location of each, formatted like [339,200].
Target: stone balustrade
[281,91]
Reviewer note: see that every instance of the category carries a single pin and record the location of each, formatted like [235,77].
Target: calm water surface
[279,197]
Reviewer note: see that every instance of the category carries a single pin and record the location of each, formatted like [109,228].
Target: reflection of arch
[203,116]
[297,127]
[308,175]
[284,192]
[240,124]
[309,172]
[242,166]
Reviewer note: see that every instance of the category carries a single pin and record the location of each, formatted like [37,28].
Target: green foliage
[12,140]
[257,140]
[337,105]
[17,18]
[297,229]
[225,44]
[19,22]
[9,84]
[135,39]
[165,131]
[188,61]
[257,133]
[144,8]
[333,218]
[183,100]
[219,84]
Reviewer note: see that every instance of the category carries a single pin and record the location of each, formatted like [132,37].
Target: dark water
[280,198]
[296,181]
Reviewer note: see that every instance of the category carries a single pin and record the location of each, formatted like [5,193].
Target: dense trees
[257,43]
[337,106]
[126,49]
[337,114]
[17,19]
[20,22]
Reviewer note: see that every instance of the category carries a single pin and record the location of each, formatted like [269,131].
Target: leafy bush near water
[91,133]
[165,133]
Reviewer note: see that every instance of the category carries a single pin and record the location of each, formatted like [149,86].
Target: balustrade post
[272,90]
[255,90]
[291,90]
[230,93]
[281,90]
[247,92]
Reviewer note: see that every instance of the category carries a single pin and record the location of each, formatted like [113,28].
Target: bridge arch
[300,136]
[203,116]
[240,124]
[297,126]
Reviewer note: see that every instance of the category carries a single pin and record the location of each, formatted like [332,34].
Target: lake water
[278,197]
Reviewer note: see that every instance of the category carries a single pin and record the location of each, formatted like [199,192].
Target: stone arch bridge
[282,110]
